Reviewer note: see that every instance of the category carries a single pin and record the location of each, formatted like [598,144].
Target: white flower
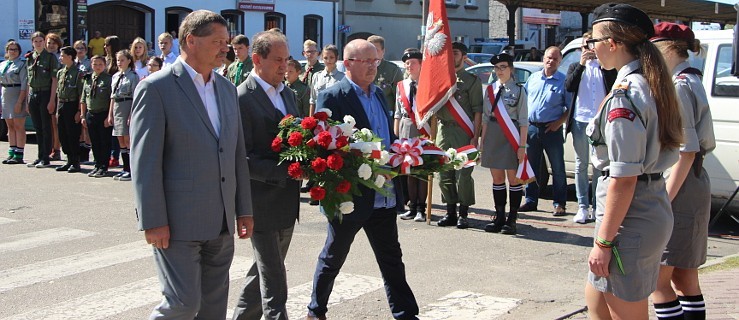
[346,129]
[380,181]
[384,158]
[367,133]
[346,207]
[350,120]
[364,171]
[366,148]
[460,161]
[451,153]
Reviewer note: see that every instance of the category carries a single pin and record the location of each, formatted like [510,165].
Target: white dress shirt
[207,94]
[273,93]
[168,59]
[590,93]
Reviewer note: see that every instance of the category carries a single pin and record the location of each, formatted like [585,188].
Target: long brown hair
[657,74]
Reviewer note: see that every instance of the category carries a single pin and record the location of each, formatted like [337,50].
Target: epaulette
[621,88]
[681,77]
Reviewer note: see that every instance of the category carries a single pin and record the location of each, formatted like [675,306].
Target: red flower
[324,139]
[294,170]
[342,141]
[318,165]
[308,123]
[277,144]
[320,115]
[295,139]
[335,162]
[311,143]
[343,186]
[317,193]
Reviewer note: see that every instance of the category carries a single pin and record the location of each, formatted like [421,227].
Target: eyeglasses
[369,62]
[591,43]
[13,49]
[500,68]
[80,48]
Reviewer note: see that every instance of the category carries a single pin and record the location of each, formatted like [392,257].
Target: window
[234,19]
[450,1]
[724,83]
[312,26]
[274,20]
[174,18]
[471,3]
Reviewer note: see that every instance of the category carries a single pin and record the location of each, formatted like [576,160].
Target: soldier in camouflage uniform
[69,90]
[457,186]
[239,69]
[388,73]
[42,68]
[302,94]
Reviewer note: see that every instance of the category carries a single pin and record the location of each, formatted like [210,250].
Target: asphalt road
[70,249]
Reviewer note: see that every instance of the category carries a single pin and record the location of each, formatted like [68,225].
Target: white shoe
[420,217]
[581,216]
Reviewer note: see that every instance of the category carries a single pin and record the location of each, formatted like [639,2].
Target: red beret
[672,31]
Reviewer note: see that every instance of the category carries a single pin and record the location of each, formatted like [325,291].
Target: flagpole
[430,186]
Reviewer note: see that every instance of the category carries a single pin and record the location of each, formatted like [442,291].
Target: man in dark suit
[356,95]
[264,100]
[190,176]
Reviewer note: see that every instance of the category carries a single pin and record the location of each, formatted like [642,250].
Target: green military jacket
[302,95]
[41,68]
[96,92]
[388,75]
[233,71]
[306,78]
[468,94]
[69,84]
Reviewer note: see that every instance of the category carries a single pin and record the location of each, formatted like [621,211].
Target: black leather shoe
[528,207]
[508,229]
[462,223]
[74,169]
[64,167]
[447,221]
[493,227]
[408,215]
[313,202]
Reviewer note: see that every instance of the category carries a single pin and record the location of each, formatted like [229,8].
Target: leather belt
[11,85]
[68,100]
[122,99]
[539,124]
[641,177]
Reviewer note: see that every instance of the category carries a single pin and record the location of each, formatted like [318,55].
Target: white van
[722,88]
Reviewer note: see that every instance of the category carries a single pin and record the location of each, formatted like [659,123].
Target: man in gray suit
[191,178]
[264,100]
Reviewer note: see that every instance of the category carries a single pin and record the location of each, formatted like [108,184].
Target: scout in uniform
[42,68]
[498,154]
[688,185]
[310,52]
[636,135]
[405,127]
[388,73]
[121,100]
[326,77]
[302,92]
[14,81]
[95,102]
[68,91]
[239,69]
[83,63]
[457,186]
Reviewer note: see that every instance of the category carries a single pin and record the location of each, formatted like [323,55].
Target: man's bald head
[360,60]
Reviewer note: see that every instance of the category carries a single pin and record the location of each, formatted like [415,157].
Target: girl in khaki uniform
[636,135]
[121,99]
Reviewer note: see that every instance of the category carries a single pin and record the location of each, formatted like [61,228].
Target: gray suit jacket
[278,195]
[185,175]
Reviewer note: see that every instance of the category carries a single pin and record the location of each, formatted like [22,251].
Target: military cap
[459,46]
[624,13]
[412,54]
[672,31]
[503,57]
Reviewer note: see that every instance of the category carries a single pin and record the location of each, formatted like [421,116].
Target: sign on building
[256,5]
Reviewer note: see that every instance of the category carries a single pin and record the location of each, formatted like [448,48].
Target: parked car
[480,57]
[522,71]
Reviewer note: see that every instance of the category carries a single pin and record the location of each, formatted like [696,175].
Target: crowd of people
[195,138]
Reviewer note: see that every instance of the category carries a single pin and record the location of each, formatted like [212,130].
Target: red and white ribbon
[460,116]
[524,171]
[407,154]
[404,90]
[467,150]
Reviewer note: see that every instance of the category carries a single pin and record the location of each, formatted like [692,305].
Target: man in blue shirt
[548,103]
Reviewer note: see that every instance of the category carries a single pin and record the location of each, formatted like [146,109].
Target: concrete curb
[716,261]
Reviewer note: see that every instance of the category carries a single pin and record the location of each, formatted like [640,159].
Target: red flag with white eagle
[438,81]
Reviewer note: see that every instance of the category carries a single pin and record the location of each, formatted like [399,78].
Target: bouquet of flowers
[420,157]
[332,155]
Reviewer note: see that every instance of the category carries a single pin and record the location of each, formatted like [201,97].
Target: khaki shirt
[14,72]
[306,75]
[697,120]
[124,84]
[468,94]
[302,95]
[388,76]
[96,92]
[625,131]
[41,68]
[514,100]
[69,84]
[233,74]
[322,80]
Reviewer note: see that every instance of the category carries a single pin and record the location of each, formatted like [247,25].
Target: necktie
[307,74]
[412,94]
[7,66]
[237,76]
[118,83]
[497,97]
[94,87]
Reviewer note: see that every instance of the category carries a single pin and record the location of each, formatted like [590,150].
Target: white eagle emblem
[434,39]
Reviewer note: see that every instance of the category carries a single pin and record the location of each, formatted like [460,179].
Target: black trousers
[37,104]
[69,131]
[100,138]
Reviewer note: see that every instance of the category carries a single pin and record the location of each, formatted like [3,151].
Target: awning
[684,10]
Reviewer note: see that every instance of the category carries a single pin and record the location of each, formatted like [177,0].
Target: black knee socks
[669,310]
[125,157]
[694,308]
[516,193]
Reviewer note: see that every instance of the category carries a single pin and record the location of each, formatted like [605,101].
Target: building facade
[542,28]
[79,19]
